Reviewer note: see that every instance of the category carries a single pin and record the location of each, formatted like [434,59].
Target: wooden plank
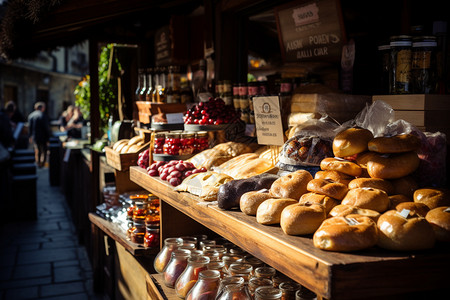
[432,118]
[119,235]
[157,290]
[416,101]
[122,161]
[329,274]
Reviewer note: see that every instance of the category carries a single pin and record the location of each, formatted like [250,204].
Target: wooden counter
[375,272]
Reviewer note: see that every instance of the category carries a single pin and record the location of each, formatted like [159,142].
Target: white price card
[175,118]
[269,126]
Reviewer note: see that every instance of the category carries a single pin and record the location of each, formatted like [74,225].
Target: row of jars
[180,143]
[144,220]
[198,268]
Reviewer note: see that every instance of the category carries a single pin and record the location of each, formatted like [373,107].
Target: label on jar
[421,60]
[403,67]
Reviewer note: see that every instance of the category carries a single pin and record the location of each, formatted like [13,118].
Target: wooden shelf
[332,275]
[119,235]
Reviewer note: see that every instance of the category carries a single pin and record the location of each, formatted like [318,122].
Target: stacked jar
[158,143]
[201,141]
[172,144]
[187,142]
[152,222]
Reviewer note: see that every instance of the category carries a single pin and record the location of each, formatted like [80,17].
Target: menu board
[310,30]
[162,46]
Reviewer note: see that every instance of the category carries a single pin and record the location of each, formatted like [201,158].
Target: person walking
[39,132]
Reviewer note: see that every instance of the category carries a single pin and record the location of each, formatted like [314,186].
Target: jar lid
[202,133]
[265,271]
[172,135]
[187,135]
[289,286]
[232,280]
[266,292]
[259,281]
[173,241]
[305,294]
[214,265]
[199,259]
[196,252]
[209,274]
[191,239]
[181,253]
[241,268]
[188,245]
[138,223]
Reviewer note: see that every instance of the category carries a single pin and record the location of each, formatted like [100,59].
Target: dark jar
[137,232]
[400,71]
[423,67]
[151,237]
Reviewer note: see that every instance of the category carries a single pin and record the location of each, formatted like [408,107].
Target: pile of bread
[131,145]
[363,197]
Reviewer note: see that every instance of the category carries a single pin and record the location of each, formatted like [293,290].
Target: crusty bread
[392,166]
[376,183]
[269,212]
[324,200]
[405,186]
[368,198]
[395,144]
[292,185]
[340,165]
[439,218]
[334,176]
[351,141]
[433,197]
[417,208]
[397,199]
[327,187]
[343,210]
[301,219]
[250,201]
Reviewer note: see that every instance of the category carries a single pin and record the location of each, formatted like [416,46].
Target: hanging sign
[269,126]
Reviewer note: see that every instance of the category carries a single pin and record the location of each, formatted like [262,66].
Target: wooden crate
[147,109]
[123,161]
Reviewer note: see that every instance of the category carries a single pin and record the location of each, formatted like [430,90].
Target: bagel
[393,166]
[343,210]
[327,187]
[335,176]
[351,141]
[292,185]
[376,183]
[269,212]
[439,218]
[397,199]
[340,165]
[301,219]
[418,208]
[324,200]
[368,198]
[433,197]
[395,144]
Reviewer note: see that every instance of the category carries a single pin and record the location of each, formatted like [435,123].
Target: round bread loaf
[327,187]
[395,144]
[346,234]
[351,141]
[250,201]
[324,200]
[439,218]
[368,198]
[340,165]
[334,176]
[301,219]
[396,232]
[363,158]
[433,197]
[292,185]
[392,166]
[343,210]
[397,199]
[376,183]
[415,208]
[269,212]
[405,186]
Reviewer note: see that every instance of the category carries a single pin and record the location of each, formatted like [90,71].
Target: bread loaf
[351,141]
[340,165]
[343,210]
[415,208]
[250,201]
[395,144]
[269,212]
[368,198]
[439,218]
[334,176]
[324,200]
[301,219]
[433,197]
[292,185]
[392,166]
[376,183]
[327,187]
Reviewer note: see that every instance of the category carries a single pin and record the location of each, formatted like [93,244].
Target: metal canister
[423,66]
[400,71]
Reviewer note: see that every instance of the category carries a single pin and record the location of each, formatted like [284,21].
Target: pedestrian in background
[39,132]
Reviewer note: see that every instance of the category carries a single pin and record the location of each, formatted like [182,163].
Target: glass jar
[138,231]
[172,144]
[187,143]
[265,272]
[190,275]
[423,67]
[278,279]
[151,237]
[158,143]
[205,243]
[305,294]
[237,250]
[152,219]
[206,286]
[288,290]
[140,211]
[196,252]
[240,269]
[254,262]
[163,257]
[188,245]
[218,266]
[201,141]
[237,291]
[255,283]
[219,248]
[212,254]
[400,70]
[228,259]
[190,239]
[267,293]
[229,280]
[176,266]
[153,203]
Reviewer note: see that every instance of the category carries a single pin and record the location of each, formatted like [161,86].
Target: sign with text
[163,46]
[310,30]
[269,127]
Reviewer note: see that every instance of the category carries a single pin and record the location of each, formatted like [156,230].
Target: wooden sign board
[310,30]
[163,52]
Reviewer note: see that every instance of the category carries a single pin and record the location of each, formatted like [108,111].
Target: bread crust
[292,185]
[351,141]
[395,144]
[368,198]
[439,218]
[327,187]
[340,165]
[302,219]
[432,197]
[392,166]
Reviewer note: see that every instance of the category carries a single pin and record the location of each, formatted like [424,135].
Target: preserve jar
[163,257]
[265,272]
[151,237]
[190,239]
[172,144]
[201,141]
[219,248]
[255,283]
[196,252]
[187,143]
[400,70]
[187,245]
[216,265]
[279,279]
[152,219]
[138,231]
[212,254]
[158,143]
[228,259]
[205,243]
[267,293]
[237,291]
[190,275]
[206,286]
[140,211]
[176,266]
[423,67]
[228,280]
[305,294]
[288,290]
[240,269]
[254,262]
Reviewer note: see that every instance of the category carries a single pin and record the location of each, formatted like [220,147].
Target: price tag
[67,155]
[269,127]
[404,213]
[447,210]
[351,221]
[175,118]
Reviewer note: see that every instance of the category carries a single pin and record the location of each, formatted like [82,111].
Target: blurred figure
[75,124]
[65,118]
[6,133]
[39,132]
[14,114]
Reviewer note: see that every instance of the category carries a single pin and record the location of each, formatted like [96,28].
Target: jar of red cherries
[201,141]
[158,144]
[187,143]
[172,144]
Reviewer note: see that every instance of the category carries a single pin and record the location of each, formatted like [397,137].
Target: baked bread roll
[376,183]
[395,144]
[292,185]
[301,219]
[343,210]
[415,208]
[439,218]
[432,197]
[269,212]
[397,199]
[324,200]
[327,187]
[334,176]
[346,234]
[368,198]
[404,232]
[405,186]
[392,166]
[340,165]
[363,158]
[250,201]
[351,141]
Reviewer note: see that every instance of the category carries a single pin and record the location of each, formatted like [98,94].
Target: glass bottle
[176,266]
[151,238]
[254,262]
[206,286]
[219,248]
[305,294]
[163,257]
[267,293]
[155,84]
[400,71]
[189,277]
[255,283]
[218,266]
[205,243]
[237,291]
[228,259]
[138,231]
[140,84]
[288,290]
[143,91]
[189,239]
[212,254]
[169,87]
[161,87]
[150,86]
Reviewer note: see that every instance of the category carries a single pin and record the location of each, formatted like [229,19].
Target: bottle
[186,91]
[169,88]
[218,266]
[234,291]
[143,91]
[400,70]
[140,84]
[161,88]
[423,66]
[190,275]
[267,293]
[206,286]
[252,92]
[155,84]
[163,257]
[150,86]
[175,266]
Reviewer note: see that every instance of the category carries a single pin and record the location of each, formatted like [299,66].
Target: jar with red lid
[151,237]
[172,144]
[158,144]
[201,141]
[187,143]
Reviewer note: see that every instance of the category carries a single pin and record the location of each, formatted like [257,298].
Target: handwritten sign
[310,31]
[162,46]
[269,127]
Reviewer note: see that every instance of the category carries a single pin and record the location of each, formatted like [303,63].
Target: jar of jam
[190,275]
[163,257]
[152,219]
[218,266]
[172,144]
[254,262]
[400,71]
[228,259]
[234,291]
[187,143]
[201,141]
[206,286]
[288,290]
[267,293]
[176,266]
[219,248]
[153,203]
[140,211]
[423,68]
[305,294]
[138,231]
[151,237]
[255,283]
[212,254]
[239,269]
[158,143]
[265,272]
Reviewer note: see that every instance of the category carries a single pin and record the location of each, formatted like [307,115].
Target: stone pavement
[42,259]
